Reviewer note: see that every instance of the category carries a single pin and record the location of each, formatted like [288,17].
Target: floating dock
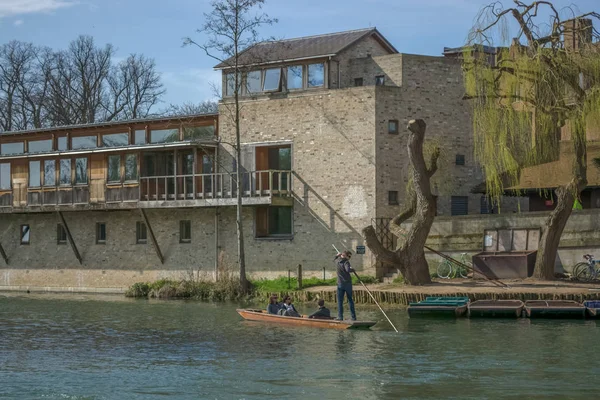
[496,309]
[554,309]
[439,307]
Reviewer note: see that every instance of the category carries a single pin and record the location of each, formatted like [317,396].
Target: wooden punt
[593,308]
[439,307]
[263,316]
[496,309]
[554,309]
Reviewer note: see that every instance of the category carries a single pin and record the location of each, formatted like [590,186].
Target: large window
[114,168]
[253,81]
[199,132]
[61,234]
[272,80]
[131,169]
[115,140]
[164,135]
[316,75]
[185,231]
[459,205]
[140,136]
[62,143]
[83,142]
[100,233]
[81,168]
[35,175]
[64,175]
[294,77]
[274,222]
[141,233]
[5,176]
[11,148]
[230,84]
[49,173]
[39,146]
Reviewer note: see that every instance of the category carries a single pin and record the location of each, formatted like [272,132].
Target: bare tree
[409,258]
[232,27]
[534,89]
[204,107]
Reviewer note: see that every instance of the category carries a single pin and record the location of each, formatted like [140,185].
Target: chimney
[577,33]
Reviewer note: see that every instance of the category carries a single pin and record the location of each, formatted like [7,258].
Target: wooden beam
[69,237]
[151,232]
[3,253]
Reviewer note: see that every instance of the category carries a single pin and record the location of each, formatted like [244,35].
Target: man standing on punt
[344,283]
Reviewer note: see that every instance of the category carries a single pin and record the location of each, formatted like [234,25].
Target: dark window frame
[358,82]
[98,233]
[460,159]
[393,131]
[141,232]
[393,198]
[267,224]
[61,234]
[453,199]
[182,231]
[379,80]
[22,240]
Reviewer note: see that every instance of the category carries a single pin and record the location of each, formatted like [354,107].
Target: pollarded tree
[409,258]
[546,78]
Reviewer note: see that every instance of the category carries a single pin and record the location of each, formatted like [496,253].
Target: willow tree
[409,257]
[547,78]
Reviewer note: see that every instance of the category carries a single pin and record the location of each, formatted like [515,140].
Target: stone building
[324,155]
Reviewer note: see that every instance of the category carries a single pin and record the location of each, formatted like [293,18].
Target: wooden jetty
[554,309]
[439,307]
[496,309]
[263,316]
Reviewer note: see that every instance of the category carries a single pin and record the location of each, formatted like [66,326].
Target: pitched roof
[304,48]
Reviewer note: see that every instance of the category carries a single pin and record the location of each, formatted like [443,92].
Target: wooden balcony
[174,191]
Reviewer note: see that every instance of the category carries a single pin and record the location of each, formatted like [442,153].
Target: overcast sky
[156,28]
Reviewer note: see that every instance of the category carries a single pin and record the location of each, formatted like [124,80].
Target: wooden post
[323,273]
[3,253]
[69,237]
[299,276]
[289,277]
[152,237]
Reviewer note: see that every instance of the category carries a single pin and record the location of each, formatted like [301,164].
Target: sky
[156,28]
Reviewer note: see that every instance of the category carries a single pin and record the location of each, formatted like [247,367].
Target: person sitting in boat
[288,309]
[322,312]
[274,306]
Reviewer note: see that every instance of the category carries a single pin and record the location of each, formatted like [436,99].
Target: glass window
[253,81]
[49,173]
[62,143]
[35,174]
[140,136]
[294,77]
[164,135]
[141,233]
[83,142]
[393,197]
[115,140]
[100,233]
[358,81]
[61,234]
[114,168]
[81,176]
[5,176]
[185,231]
[229,85]
[272,79]
[393,126]
[460,159]
[25,234]
[380,80]
[199,132]
[11,148]
[274,221]
[64,175]
[131,170]
[39,146]
[316,75]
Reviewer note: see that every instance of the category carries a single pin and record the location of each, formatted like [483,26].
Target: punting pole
[370,294]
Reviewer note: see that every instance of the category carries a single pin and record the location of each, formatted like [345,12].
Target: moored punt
[496,308]
[263,316]
[554,309]
[439,307]
[593,308]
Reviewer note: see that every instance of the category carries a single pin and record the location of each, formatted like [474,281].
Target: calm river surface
[84,347]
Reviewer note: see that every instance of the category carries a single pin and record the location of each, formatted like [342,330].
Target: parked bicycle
[449,270]
[587,270]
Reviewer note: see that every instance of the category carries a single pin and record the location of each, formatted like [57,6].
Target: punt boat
[496,308]
[593,308]
[439,307]
[554,309]
[263,316]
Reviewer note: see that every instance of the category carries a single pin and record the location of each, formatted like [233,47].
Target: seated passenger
[274,306]
[322,312]
[288,309]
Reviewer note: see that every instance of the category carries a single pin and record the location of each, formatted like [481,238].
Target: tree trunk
[409,259]
[565,198]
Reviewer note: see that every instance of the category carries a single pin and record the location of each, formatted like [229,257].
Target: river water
[109,347]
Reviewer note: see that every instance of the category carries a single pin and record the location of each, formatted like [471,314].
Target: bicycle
[586,270]
[446,270]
